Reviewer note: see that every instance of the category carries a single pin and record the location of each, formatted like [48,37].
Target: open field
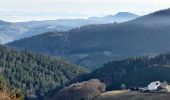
[133,95]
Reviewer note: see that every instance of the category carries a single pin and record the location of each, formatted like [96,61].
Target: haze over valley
[18,30]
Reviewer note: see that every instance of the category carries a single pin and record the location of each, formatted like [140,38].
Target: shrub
[87,90]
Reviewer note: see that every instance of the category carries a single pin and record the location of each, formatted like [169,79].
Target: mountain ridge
[93,45]
[15,31]
[125,14]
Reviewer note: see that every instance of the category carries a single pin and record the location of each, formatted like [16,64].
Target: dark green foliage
[134,71]
[143,77]
[35,74]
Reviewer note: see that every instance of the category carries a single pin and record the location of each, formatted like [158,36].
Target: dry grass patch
[133,95]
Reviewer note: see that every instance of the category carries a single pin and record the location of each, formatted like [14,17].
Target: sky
[27,10]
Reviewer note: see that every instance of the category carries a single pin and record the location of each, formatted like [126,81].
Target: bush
[87,90]
[16,94]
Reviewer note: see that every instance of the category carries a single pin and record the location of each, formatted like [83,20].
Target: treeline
[35,74]
[134,71]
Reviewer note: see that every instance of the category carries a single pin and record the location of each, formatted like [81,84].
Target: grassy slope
[128,95]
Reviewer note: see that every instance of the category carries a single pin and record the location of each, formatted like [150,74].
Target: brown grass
[81,91]
[4,95]
[129,95]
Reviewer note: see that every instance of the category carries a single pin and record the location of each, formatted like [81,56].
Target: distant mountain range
[119,17]
[14,31]
[10,32]
[94,45]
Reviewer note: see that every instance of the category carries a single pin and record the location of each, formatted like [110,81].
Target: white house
[154,85]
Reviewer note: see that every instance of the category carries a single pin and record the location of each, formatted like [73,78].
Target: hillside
[128,95]
[130,72]
[94,45]
[35,74]
[10,32]
[134,71]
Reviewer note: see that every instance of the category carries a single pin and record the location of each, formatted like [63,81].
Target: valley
[113,56]
[93,45]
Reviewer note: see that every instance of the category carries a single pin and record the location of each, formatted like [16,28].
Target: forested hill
[134,71]
[94,45]
[35,74]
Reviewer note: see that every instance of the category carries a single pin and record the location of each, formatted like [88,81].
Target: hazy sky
[25,10]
